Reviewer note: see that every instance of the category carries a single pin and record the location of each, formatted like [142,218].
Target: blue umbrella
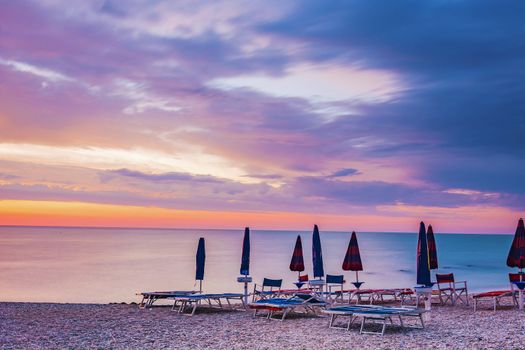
[423,263]
[245,259]
[200,259]
[317,254]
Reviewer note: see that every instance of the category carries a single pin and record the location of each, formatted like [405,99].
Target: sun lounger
[376,314]
[148,298]
[190,302]
[273,306]
[383,295]
[495,296]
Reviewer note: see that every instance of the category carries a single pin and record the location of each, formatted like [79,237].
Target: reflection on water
[106,265]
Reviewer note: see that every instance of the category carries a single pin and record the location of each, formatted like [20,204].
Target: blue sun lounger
[309,303]
[376,314]
[190,302]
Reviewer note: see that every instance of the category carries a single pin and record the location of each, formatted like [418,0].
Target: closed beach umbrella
[432,249]
[317,254]
[516,256]
[245,258]
[352,260]
[297,263]
[200,260]
[423,268]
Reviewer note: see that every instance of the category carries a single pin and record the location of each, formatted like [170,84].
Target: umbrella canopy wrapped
[245,258]
[297,263]
[317,254]
[352,260]
[432,249]
[516,256]
[200,260]
[423,266]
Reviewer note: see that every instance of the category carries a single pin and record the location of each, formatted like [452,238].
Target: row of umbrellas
[351,262]
[427,252]
[426,255]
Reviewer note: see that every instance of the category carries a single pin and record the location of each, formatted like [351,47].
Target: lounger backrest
[445,278]
[303,278]
[516,277]
[267,282]
[336,279]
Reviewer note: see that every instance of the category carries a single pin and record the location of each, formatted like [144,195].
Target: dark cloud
[345,172]
[164,177]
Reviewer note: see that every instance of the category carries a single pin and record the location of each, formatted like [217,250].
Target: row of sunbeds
[282,303]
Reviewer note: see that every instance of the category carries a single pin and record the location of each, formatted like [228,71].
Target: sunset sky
[355,115]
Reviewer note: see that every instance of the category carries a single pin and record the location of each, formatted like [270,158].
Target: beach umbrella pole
[245,289]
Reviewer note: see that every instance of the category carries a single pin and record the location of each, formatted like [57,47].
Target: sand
[88,326]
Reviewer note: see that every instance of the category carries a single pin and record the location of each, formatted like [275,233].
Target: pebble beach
[125,326]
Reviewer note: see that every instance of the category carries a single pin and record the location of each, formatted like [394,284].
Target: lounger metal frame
[376,314]
[287,305]
[193,301]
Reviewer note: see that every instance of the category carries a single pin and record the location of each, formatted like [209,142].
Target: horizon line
[233,229]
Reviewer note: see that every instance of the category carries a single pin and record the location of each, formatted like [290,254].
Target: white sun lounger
[190,302]
[148,298]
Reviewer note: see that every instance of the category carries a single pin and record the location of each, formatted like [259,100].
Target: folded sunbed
[307,302]
[374,313]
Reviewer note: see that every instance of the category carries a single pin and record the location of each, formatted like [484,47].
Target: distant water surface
[99,265]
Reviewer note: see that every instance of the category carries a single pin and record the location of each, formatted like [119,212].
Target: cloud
[345,172]
[265,107]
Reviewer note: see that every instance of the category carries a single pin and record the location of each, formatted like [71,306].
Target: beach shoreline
[125,326]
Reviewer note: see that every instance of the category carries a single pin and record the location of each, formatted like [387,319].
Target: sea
[103,265]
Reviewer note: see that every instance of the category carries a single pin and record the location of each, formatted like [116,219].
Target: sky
[355,115]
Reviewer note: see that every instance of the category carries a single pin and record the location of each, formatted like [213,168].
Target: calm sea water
[110,265]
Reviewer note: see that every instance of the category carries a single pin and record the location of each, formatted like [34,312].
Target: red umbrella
[432,250]
[516,256]
[352,260]
[297,263]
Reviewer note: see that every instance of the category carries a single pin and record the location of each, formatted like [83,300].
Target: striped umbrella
[297,263]
[317,254]
[200,260]
[432,249]
[245,258]
[516,256]
[352,260]
[423,268]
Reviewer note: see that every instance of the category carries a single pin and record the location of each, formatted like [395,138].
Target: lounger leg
[401,321]
[362,325]
[285,312]
[350,322]
[384,326]
[194,308]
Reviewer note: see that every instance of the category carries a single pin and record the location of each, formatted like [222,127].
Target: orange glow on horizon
[396,218]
